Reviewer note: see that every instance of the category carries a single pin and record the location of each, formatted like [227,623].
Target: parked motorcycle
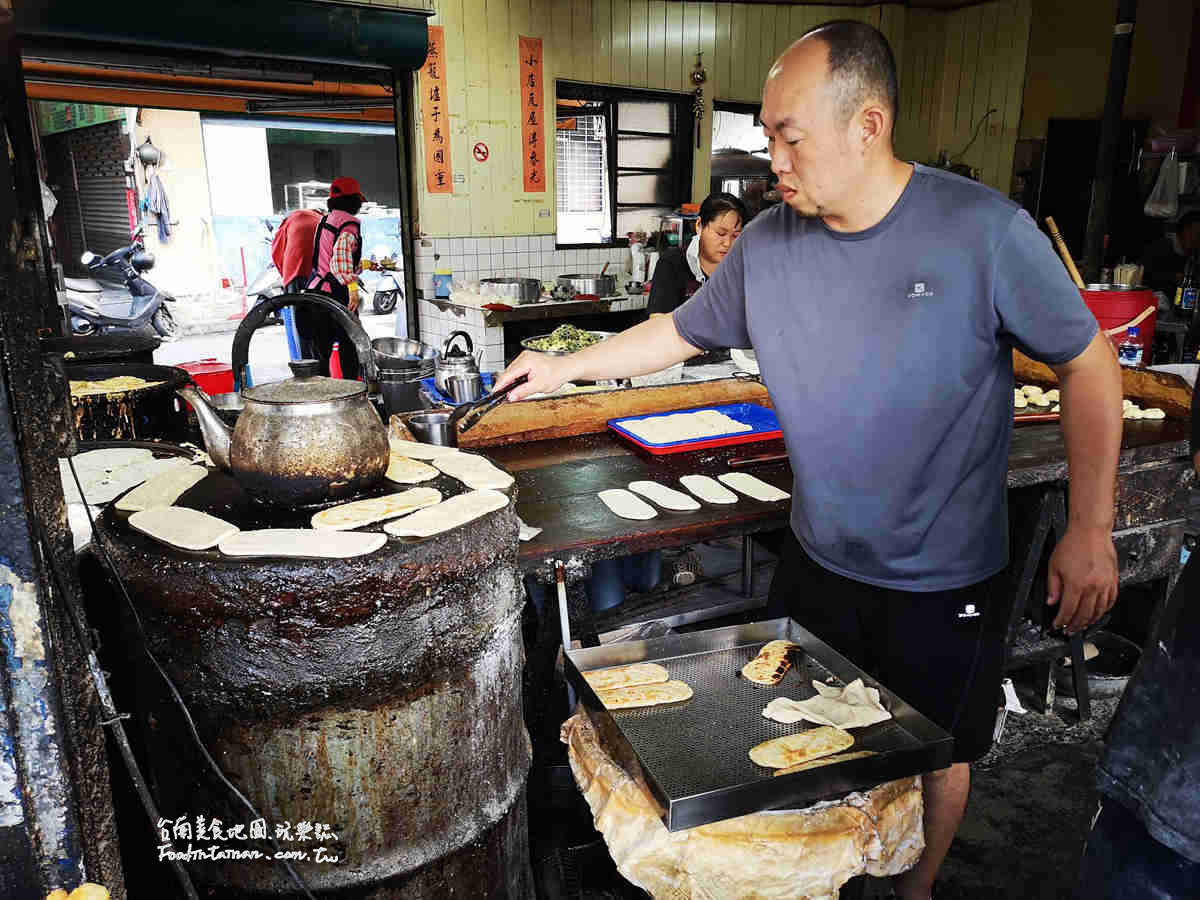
[87,297]
[384,279]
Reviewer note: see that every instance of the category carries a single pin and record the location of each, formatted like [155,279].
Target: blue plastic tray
[430,385]
[763,422]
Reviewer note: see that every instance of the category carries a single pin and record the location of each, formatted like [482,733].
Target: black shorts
[941,652]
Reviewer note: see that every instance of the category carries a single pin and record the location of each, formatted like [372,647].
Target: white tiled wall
[437,325]
[533,256]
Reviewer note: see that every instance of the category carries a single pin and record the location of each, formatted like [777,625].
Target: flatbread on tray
[824,761]
[365,512]
[781,752]
[626,676]
[645,695]
[771,664]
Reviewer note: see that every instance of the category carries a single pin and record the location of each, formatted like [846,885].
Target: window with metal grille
[624,159]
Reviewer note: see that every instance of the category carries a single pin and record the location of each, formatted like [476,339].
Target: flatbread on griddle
[824,761]
[403,470]
[376,509]
[626,676]
[163,489]
[779,753]
[181,527]
[771,664]
[645,695]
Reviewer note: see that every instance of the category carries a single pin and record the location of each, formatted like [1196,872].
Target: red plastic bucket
[1113,307]
[211,376]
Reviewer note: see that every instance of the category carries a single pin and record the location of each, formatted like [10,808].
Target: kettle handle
[258,315]
[450,340]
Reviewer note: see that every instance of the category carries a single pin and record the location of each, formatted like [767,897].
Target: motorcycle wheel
[384,302]
[164,323]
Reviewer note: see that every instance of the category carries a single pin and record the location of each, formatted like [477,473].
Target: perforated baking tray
[695,754]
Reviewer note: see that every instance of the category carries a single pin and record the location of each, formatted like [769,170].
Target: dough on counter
[1019,400]
[779,753]
[627,504]
[179,526]
[1056,408]
[448,514]
[417,450]
[1153,413]
[745,483]
[667,498]
[365,512]
[476,472]
[1052,395]
[404,470]
[626,676]
[708,489]
[1131,412]
[1031,391]
[302,542]
[163,489]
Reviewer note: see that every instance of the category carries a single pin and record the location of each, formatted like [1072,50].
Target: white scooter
[147,305]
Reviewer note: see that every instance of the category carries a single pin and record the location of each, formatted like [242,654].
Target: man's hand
[546,374]
[1083,577]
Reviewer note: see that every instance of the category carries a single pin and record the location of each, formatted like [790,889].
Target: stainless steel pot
[512,290]
[600,285]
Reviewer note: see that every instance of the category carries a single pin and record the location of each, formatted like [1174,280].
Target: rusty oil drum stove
[380,695]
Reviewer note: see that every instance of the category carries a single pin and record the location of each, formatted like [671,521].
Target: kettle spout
[217,437]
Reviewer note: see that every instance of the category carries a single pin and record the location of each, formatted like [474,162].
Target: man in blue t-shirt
[884,301]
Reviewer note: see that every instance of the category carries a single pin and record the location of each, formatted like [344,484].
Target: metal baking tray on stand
[694,755]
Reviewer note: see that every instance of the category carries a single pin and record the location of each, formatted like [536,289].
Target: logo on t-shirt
[920,289]
[969,612]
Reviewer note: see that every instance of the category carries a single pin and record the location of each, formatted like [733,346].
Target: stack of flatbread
[640,684]
[771,664]
[684,426]
[854,706]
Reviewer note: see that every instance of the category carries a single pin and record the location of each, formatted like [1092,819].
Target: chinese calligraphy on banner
[533,117]
[435,115]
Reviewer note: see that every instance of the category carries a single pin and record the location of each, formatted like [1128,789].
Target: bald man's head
[861,65]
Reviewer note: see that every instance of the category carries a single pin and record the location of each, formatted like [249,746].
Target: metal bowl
[402,353]
[598,285]
[433,428]
[603,335]
[520,290]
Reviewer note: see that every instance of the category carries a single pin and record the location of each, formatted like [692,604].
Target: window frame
[683,131]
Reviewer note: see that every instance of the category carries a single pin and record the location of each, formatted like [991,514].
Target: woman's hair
[347,203]
[718,204]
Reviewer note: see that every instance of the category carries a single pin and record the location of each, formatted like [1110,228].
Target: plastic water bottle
[1129,351]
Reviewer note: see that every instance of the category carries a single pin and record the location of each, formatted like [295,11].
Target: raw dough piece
[1031,391]
[854,706]
[708,489]
[1153,413]
[687,426]
[1056,408]
[1052,395]
[365,512]
[182,527]
[1019,400]
[626,504]
[747,484]
[449,514]
[824,761]
[1131,412]
[163,489]
[645,695]
[476,472]
[105,474]
[667,498]
[626,676]
[771,664]
[417,450]
[403,470]
[779,753]
[302,542]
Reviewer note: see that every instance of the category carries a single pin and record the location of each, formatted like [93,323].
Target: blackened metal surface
[147,413]
[61,827]
[134,347]
[380,695]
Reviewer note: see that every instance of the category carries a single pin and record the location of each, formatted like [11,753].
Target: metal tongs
[467,416]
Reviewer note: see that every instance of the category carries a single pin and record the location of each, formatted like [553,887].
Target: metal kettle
[304,441]
[455,362]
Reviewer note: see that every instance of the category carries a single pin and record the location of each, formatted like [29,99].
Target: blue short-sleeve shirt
[888,356]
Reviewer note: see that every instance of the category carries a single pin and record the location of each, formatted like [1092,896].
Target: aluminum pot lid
[313,389]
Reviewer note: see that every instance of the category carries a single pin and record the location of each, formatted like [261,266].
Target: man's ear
[873,125]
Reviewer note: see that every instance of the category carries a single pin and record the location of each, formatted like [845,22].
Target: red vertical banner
[533,115]
[435,115]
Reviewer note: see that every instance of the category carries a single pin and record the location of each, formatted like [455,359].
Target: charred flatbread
[771,664]
[645,695]
[824,761]
[626,676]
[791,749]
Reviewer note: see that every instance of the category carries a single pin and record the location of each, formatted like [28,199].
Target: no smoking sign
[481,152]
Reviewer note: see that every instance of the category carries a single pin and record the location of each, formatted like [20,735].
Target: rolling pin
[1061,246]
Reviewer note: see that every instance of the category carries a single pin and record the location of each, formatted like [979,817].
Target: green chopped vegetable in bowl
[565,339]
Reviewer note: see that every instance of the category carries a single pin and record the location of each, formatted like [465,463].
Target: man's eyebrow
[786,122]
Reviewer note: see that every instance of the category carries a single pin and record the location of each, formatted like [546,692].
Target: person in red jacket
[336,262]
[291,251]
